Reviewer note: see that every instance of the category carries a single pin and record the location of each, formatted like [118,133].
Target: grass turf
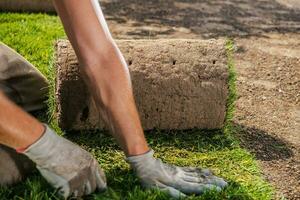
[33,35]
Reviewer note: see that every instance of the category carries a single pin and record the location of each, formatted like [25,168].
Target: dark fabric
[21,81]
[13,166]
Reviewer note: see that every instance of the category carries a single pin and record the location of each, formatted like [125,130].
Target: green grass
[33,36]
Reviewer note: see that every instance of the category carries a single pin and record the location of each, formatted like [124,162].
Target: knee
[13,166]
[3,99]
[2,95]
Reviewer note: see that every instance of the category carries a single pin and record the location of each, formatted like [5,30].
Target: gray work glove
[176,181]
[66,166]
[13,166]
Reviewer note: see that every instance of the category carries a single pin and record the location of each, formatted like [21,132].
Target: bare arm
[105,71]
[18,129]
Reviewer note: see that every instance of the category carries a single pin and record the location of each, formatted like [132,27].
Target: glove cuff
[133,160]
[44,146]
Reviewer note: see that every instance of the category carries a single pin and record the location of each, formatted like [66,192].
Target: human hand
[66,166]
[176,181]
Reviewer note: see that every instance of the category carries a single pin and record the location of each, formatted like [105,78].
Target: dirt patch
[294,4]
[268,106]
[177,84]
[205,19]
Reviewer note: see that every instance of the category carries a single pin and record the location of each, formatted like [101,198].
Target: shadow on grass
[194,139]
[264,146]
[122,180]
[132,191]
[122,185]
[32,188]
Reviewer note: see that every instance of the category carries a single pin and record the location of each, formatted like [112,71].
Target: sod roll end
[177,84]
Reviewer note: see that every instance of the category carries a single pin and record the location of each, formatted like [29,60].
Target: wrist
[142,158]
[32,139]
[43,147]
[137,150]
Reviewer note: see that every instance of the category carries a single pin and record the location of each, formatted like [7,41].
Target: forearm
[105,71]
[112,91]
[18,129]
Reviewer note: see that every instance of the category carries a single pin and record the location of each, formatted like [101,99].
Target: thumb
[100,179]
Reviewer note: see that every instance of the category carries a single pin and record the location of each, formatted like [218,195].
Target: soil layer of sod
[33,36]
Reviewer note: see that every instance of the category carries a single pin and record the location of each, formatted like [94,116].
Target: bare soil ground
[268,106]
[267,60]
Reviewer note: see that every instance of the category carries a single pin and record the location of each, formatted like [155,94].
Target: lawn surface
[33,36]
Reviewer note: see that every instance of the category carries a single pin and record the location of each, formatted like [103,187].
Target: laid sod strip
[33,37]
[177,84]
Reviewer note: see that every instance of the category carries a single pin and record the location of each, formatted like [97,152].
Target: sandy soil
[267,57]
[268,106]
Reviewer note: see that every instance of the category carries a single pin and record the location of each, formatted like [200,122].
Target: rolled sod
[27,5]
[177,84]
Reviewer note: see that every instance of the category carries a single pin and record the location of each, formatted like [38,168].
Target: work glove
[176,181]
[13,166]
[66,166]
